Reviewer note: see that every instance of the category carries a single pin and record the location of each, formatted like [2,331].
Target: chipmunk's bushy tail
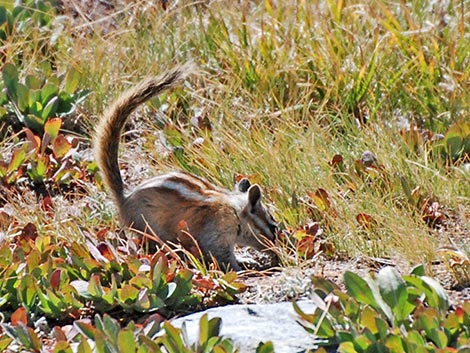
[110,125]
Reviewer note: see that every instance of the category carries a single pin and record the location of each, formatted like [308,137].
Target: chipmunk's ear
[254,195]
[243,185]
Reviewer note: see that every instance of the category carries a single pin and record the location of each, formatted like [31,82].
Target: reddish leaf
[59,334]
[55,279]
[328,248]
[160,257]
[35,141]
[313,228]
[29,232]
[106,251]
[306,246]
[366,221]
[52,127]
[321,199]
[102,234]
[170,276]
[46,139]
[61,146]
[204,282]
[19,315]
[47,206]
[337,160]
[157,318]
[5,219]
[460,312]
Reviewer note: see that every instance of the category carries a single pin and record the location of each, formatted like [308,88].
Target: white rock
[248,325]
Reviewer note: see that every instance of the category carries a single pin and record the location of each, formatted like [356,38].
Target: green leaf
[36,108]
[439,338]
[85,329]
[33,82]
[153,347]
[455,139]
[126,341]
[466,144]
[172,340]
[5,341]
[72,79]
[111,327]
[110,296]
[22,98]
[17,159]
[214,325]
[416,338]
[3,15]
[323,286]
[368,319]
[418,270]
[45,304]
[440,298]
[94,287]
[62,347]
[81,95]
[394,344]
[393,291]
[359,289]
[267,347]
[454,145]
[203,330]
[157,273]
[3,168]
[27,291]
[28,337]
[34,96]
[38,170]
[48,92]
[34,122]
[366,291]
[56,302]
[436,296]
[50,109]
[306,317]
[128,294]
[143,302]
[382,327]
[347,347]
[10,79]
[224,346]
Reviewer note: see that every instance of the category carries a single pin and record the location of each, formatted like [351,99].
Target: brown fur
[217,218]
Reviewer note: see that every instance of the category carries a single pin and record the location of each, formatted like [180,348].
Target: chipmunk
[217,218]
